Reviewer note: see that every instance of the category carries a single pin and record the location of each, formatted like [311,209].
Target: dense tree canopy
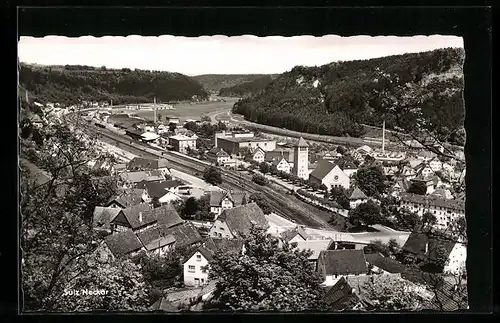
[69,84]
[266,277]
[212,175]
[248,88]
[367,213]
[419,188]
[371,180]
[337,98]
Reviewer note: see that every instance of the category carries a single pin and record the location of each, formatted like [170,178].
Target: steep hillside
[246,89]
[68,84]
[214,82]
[410,91]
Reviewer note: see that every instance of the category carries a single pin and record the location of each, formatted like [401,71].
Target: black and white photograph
[242,173]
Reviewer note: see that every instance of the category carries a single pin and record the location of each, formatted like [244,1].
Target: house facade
[196,268]
[181,143]
[446,211]
[301,159]
[456,260]
[330,175]
[283,166]
[258,155]
[357,197]
[218,156]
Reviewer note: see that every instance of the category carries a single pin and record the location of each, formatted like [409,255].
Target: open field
[185,111]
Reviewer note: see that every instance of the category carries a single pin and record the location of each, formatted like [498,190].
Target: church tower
[301,159]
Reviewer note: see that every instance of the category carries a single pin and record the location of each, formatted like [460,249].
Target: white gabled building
[196,267]
[330,175]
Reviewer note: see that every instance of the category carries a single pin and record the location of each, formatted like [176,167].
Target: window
[202,280]
[265,144]
[198,257]
[191,269]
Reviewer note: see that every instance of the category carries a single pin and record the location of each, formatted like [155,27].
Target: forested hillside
[215,82]
[420,92]
[246,89]
[68,84]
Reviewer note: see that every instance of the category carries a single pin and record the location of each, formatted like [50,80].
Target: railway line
[280,203]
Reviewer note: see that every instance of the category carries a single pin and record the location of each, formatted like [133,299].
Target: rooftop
[430,200]
[316,246]
[241,219]
[245,139]
[342,262]
[123,243]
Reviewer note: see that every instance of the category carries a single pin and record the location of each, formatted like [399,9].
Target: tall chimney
[383,136]
[426,247]
[140,216]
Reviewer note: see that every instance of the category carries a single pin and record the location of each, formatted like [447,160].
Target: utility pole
[154,108]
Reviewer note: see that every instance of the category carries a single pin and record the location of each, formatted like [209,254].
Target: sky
[244,54]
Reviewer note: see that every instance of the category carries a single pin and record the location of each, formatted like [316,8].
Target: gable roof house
[126,198]
[103,216]
[381,264]
[258,154]
[217,155]
[295,235]
[164,191]
[342,297]
[120,245]
[357,197]
[278,154]
[330,175]
[131,179]
[238,222]
[223,200]
[333,264]
[131,218]
[144,164]
[316,247]
[429,248]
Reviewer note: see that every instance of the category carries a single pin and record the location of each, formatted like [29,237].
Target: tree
[57,235]
[389,293]
[429,219]
[371,180]
[341,150]
[408,220]
[315,186]
[264,168]
[267,277]
[419,188]
[393,246]
[259,179]
[365,214]
[205,119]
[245,152]
[261,202]
[167,268]
[212,175]
[172,127]
[191,206]
[192,126]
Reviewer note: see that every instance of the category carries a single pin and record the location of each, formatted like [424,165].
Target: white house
[258,154]
[218,156]
[223,200]
[282,165]
[334,264]
[456,259]
[330,175]
[357,197]
[196,267]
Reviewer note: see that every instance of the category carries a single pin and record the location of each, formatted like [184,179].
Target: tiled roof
[139,163]
[159,242]
[185,234]
[278,154]
[291,233]
[385,263]
[342,262]
[216,197]
[341,297]
[430,200]
[316,246]
[228,245]
[448,297]
[241,219]
[417,241]
[123,243]
[136,177]
[132,214]
[323,168]
[159,189]
[104,215]
[218,152]
[206,253]
[128,198]
[358,194]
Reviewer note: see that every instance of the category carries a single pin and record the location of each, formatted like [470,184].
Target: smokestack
[383,136]
[140,216]
[426,247]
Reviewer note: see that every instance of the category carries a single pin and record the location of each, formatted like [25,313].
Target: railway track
[280,204]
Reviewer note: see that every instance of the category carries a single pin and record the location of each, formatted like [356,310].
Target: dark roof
[385,263]
[104,215]
[278,154]
[123,243]
[358,194]
[343,262]
[430,200]
[127,198]
[341,297]
[159,189]
[218,152]
[291,233]
[206,253]
[185,234]
[216,197]
[241,218]
[209,244]
[155,237]
[323,168]
[132,214]
[162,304]
[143,164]
[166,215]
[301,143]
[417,241]
[228,245]
[450,297]
[137,177]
